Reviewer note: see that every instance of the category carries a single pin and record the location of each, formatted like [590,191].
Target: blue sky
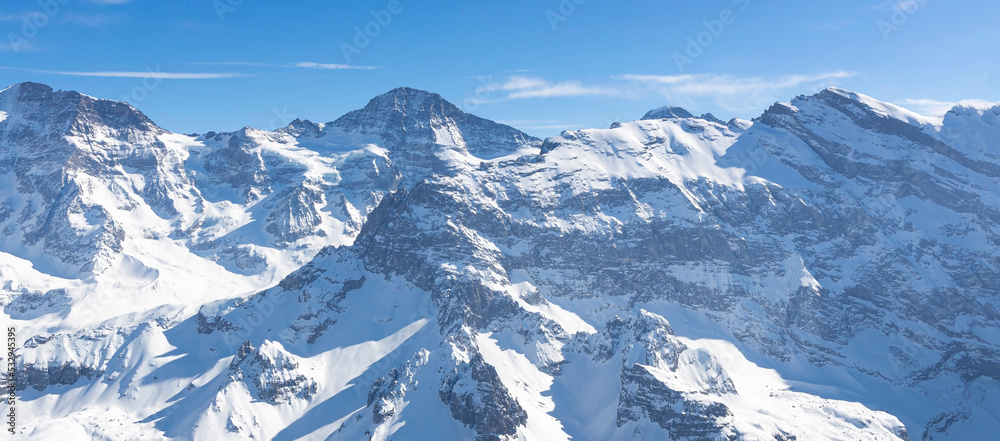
[543,66]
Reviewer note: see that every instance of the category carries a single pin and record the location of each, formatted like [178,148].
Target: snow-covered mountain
[409,271]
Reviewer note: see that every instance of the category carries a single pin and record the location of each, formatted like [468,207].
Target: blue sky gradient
[542,66]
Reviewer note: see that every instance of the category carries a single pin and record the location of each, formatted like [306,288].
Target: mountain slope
[826,272]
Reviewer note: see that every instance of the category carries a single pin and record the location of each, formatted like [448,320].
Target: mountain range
[409,271]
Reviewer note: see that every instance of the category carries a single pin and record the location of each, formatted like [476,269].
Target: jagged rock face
[648,346]
[872,195]
[668,278]
[53,145]
[645,397]
[90,180]
[478,399]
[24,304]
[294,216]
[271,373]
[787,238]
[36,111]
[305,129]
[49,136]
[239,164]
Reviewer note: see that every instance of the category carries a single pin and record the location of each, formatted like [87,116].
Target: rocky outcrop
[478,399]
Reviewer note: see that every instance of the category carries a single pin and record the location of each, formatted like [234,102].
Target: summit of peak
[70,111]
[27,87]
[858,107]
[409,101]
[409,92]
[667,112]
[405,117]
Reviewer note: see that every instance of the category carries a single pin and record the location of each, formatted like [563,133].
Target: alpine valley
[827,271]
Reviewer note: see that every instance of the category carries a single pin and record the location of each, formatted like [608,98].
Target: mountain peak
[975,108]
[406,118]
[403,109]
[303,128]
[28,89]
[857,106]
[667,112]
[673,112]
[413,102]
[404,91]
[845,93]
[42,109]
[31,92]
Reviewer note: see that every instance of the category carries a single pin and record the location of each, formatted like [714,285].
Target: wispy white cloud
[826,26]
[566,89]
[720,92]
[728,85]
[154,74]
[726,92]
[541,124]
[302,65]
[655,79]
[638,86]
[519,122]
[232,63]
[522,87]
[907,5]
[902,5]
[928,106]
[327,66]
[23,16]
[931,107]
[19,46]
[93,20]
